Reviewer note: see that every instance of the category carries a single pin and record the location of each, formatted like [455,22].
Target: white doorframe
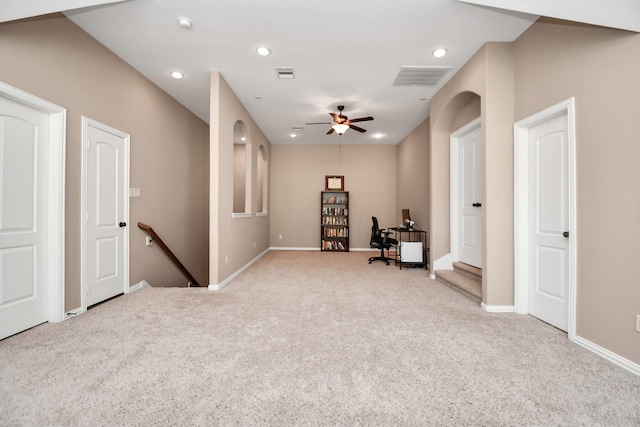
[55,196]
[125,191]
[521,208]
[454,182]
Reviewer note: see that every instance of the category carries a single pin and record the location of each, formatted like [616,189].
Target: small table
[410,237]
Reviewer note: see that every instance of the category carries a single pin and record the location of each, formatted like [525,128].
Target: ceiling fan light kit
[341,122]
[340,128]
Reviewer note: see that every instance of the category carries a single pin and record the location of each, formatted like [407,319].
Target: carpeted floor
[308,338]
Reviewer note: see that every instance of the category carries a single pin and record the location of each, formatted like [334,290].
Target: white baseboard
[72,313]
[280,248]
[443,263]
[139,285]
[498,308]
[627,364]
[226,281]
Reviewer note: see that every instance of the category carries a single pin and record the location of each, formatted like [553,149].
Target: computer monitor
[406,217]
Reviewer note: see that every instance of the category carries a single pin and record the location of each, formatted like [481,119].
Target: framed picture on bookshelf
[334,183]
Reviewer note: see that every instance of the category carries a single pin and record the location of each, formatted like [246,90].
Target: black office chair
[380,240]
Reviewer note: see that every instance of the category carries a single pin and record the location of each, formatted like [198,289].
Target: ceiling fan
[341,122]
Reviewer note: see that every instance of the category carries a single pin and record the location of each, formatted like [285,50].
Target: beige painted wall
[446,107]
[413,187]
[489,76]
[599,67]
[234,242]
[549,63]
[52,58]
[498,199]
[298,176]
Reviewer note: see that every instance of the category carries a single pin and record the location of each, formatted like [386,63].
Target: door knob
[566,234]
[123,224]
[476,205]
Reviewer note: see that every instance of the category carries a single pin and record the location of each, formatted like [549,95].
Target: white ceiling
[345,52]
[621,14]
[18,9]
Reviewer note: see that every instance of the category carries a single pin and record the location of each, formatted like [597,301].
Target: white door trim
[56,195]
[521,208]
[454,182]
[86,122]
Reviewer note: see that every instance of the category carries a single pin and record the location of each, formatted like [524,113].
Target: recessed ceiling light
[263,51]
[439,53]
[293,135]
[377,135]
[243,139]
[184,22]
[177,74]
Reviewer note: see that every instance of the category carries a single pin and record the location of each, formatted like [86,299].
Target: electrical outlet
[280,236]
[638,322]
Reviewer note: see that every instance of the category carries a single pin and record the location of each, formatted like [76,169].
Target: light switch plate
[135,192]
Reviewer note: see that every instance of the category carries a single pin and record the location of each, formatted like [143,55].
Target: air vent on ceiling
[285,73]
[420,76]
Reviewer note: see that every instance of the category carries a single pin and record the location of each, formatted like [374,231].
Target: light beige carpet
[308,338]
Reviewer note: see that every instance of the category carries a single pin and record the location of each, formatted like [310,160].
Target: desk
[410,237]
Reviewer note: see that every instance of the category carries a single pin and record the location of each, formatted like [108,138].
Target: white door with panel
[107,211]
[549,221]
[470,198]
[23,217]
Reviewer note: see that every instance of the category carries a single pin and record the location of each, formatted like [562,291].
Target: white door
[23,217]
[549,221]
[470,195]
[106,195]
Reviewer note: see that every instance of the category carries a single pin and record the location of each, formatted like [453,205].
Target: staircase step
[471,288]
[467,270]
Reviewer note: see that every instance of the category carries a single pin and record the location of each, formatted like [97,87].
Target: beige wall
[298,176]
[601,68]
[489,78]
[52,58]
[413,187]
[549,63]
[234,242]
[446,107]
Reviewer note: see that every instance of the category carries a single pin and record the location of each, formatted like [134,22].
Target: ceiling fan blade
[332,130]
[334,115]
[361,119]
[354,127]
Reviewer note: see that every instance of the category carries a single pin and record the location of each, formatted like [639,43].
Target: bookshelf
[334,221]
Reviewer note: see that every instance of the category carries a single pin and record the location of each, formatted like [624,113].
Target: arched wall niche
[241,168]
[262,174]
